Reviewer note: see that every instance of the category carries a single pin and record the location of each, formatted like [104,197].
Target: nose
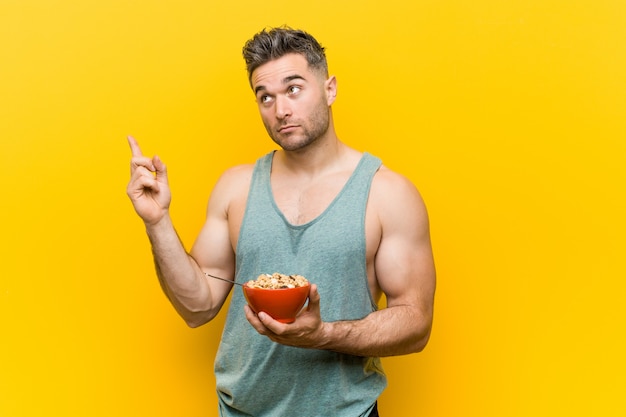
[283,107]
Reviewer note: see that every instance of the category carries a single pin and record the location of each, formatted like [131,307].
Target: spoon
[224,279]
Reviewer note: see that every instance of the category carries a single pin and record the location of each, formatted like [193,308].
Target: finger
[142,161]
[134,146]
[314,298]
[160,169]
[253,319]
[250,315]
[272,328]
[314,295]
[140,182]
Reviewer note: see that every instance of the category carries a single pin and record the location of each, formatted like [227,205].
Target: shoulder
[237,174]
[233,184]
[388,184]
[395,198]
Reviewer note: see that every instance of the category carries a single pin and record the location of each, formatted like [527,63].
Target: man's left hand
[306,331]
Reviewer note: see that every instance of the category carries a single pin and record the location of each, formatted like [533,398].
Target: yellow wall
[510,116]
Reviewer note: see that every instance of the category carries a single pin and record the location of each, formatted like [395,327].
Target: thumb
[160,168]
[314,298]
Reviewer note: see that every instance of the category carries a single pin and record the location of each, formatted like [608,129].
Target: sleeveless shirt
[257,377]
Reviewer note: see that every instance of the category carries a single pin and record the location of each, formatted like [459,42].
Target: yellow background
[509,116]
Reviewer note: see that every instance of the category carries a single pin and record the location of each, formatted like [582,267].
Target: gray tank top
[257,377]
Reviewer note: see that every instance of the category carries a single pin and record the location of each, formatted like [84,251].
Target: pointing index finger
[134,146]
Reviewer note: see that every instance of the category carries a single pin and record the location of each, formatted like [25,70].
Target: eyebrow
[286,80]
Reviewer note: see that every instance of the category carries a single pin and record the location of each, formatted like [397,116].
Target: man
[316,208]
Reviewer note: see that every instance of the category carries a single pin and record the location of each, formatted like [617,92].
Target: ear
[330,87]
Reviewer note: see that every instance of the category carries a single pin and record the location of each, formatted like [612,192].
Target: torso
[301,201]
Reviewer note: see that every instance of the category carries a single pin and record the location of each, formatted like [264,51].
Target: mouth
[287,128]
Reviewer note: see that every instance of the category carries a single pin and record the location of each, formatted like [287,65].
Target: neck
[319,156]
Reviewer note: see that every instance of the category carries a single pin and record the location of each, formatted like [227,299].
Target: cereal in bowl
[278,281]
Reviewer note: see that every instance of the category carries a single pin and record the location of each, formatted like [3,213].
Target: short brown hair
[268,45]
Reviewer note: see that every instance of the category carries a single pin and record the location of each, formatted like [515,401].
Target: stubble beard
[311,132]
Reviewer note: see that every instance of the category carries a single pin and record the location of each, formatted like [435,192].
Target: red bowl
[281,304]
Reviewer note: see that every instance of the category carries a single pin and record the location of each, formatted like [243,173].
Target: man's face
[294,101]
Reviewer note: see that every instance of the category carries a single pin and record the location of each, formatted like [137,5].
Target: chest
[303,201]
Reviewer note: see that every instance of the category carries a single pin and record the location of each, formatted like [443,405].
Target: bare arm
[405,272]
[180,275]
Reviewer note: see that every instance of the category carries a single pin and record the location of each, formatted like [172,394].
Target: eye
[264,99]
[294,89]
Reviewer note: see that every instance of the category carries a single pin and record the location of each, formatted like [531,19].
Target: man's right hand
[148,188]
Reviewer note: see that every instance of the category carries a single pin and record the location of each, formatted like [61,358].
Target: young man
[317,208]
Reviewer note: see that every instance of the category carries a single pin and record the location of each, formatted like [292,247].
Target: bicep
[213,250]
[404,262]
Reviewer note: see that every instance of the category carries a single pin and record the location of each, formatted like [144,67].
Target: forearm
[397,330]
[178,273]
